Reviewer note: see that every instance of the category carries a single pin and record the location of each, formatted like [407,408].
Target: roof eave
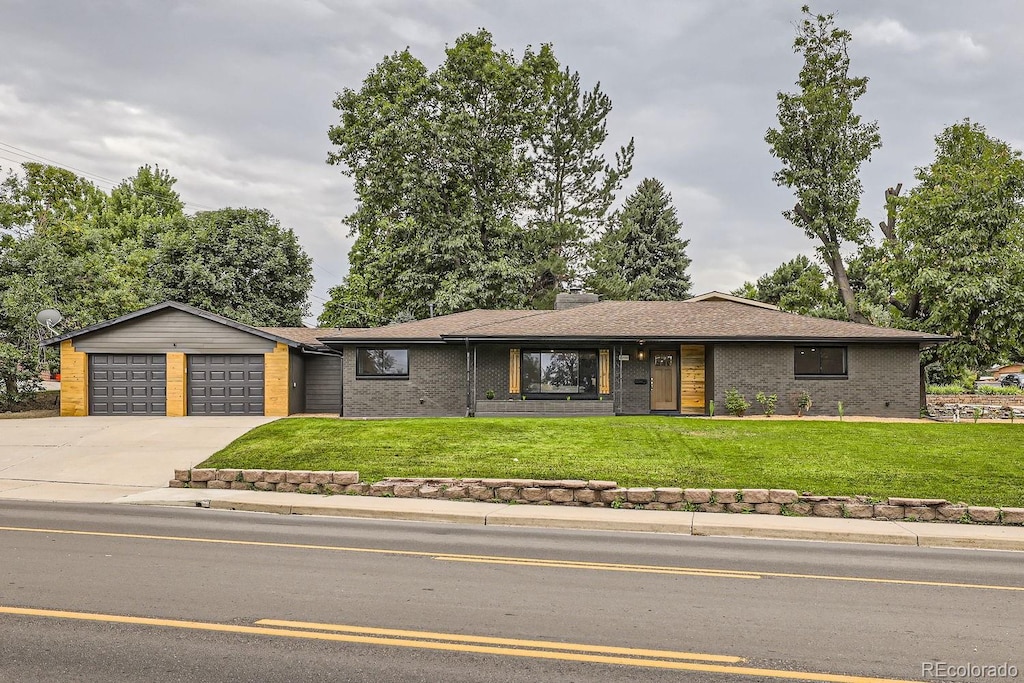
[177,305]
[692,339]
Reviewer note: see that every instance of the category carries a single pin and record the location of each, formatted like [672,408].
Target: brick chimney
[574,299]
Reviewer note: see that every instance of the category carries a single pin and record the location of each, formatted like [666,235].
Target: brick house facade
[629,358]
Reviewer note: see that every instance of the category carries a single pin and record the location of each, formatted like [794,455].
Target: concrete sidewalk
[934,535]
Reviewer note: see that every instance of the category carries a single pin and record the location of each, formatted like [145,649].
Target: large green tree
[239,263]
[797,286]
[641,256]
[476,183]
[575,183]
[954,251]
[822,143]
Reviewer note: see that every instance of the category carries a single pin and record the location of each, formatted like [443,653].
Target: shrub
[802,403]
[948,389]
[767,403]
[736,403]
[986,390]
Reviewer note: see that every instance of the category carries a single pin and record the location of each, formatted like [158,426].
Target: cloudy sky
[234,97]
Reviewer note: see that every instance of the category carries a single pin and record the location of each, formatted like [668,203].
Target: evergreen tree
[640,256]
[575,184]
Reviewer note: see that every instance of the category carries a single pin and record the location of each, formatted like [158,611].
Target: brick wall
[636,398]
[492,373]
[883,381]
[436,386]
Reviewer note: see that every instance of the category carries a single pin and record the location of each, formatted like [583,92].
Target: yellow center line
[449,646]
[489,640]
[533,562]
[609,568]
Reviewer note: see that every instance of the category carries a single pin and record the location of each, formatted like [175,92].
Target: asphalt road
[109,593]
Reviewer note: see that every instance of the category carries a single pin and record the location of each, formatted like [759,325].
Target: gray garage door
[127,384]
[225,385]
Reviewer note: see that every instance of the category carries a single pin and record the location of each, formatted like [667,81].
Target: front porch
[543,408]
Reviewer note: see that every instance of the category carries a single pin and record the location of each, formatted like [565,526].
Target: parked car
[1012,379]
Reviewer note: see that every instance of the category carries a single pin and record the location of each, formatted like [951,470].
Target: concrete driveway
[101,459]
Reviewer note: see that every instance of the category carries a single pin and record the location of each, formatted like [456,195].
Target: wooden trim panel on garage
[177,385]
[74,381]
[277,381]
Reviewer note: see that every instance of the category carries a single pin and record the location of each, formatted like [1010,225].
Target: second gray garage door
[225,384]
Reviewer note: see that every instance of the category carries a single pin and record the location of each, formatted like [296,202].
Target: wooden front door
[692,378]
[664,380]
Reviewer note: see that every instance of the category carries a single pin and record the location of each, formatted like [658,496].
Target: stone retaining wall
[963,406]
[595,493]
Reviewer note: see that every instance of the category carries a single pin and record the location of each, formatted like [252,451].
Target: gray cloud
[234,97]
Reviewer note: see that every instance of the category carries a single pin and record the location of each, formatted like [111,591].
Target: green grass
[982,464]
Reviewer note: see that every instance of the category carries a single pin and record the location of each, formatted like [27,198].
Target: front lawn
[981,464]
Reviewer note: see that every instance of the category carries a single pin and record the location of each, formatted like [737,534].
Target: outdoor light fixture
[640,354]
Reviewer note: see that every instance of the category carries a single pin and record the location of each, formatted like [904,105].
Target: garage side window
[820,361]
[376,363]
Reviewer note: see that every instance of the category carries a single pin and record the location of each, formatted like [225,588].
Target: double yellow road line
[451,642]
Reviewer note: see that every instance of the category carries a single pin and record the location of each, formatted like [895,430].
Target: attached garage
[176,360]
[127,384]
[225,384]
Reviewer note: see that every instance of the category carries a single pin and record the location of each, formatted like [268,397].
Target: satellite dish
[48,317]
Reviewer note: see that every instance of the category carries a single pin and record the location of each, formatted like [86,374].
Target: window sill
[384,377]
[561,397]
[821,377]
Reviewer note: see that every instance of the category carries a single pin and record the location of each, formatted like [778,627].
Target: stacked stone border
[962,407]
[595,493]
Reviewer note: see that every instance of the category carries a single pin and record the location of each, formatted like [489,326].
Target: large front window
[819,361]
[382,362]
[560,373]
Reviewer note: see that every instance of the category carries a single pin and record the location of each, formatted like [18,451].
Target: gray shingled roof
[433,329]
[310,336]
[707,320]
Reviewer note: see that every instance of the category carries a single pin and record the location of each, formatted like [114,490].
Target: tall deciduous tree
[239,263]
[955,252]
[42,196]
[441,170]
[476,183]
[821,143]
[641,256]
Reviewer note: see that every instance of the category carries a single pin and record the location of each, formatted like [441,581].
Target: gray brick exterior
[635,398]
[492,373]
[883,381]
[436,386]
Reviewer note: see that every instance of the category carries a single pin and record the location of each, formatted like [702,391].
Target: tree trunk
[834,259]
[842,280]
